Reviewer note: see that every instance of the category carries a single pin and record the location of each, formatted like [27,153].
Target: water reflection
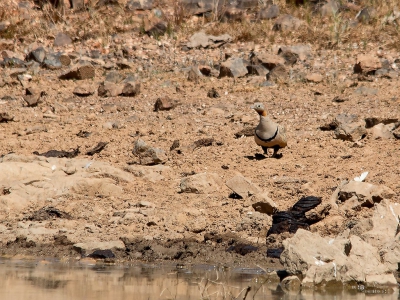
[58,281]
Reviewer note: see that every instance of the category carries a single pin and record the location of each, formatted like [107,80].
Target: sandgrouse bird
[268,134]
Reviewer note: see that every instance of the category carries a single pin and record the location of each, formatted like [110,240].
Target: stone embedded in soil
[367,64]
[5,117]
[302,51]
[89,247]
[202,183]
[32,96]
[154,26]
[84,90]
[270,12]
[314,77]
[201,39]
[163,103]
[109,89]
[349,127]
[194,74]
[382,132]
[242,186]
[62,39]
[80,71]
[366,91]
[148,155]
[363,194]
[131,88]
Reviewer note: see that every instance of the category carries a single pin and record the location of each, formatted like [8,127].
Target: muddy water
[46,280]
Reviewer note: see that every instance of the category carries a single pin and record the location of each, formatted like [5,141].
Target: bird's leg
[265,149]
[276,149]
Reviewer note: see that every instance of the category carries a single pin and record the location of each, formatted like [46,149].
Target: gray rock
[242,186]
[140,4]
[202,183]
[366,15]
[62,39]
[201,39]
[233,67]
[114,77]
[39,54]
[195,7]
[366,91]
[258,70]
[349,128]
[52,61]
[270,12]
[278,74]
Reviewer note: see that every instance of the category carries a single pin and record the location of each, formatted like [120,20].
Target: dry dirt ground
[314,162]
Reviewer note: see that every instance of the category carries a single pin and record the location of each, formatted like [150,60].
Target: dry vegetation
[92,22]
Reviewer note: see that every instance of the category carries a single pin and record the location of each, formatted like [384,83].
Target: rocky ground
[153,129]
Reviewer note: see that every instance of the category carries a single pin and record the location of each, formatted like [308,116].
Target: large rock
[234,67]
[202,183]
[269,61]
[367,64]
[349,127]
[31,180]
[363,194]
[242,186]
[323,261]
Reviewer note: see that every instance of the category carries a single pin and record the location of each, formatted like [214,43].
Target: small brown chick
[268,134]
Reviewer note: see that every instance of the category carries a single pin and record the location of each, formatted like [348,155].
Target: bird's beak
[252,107]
